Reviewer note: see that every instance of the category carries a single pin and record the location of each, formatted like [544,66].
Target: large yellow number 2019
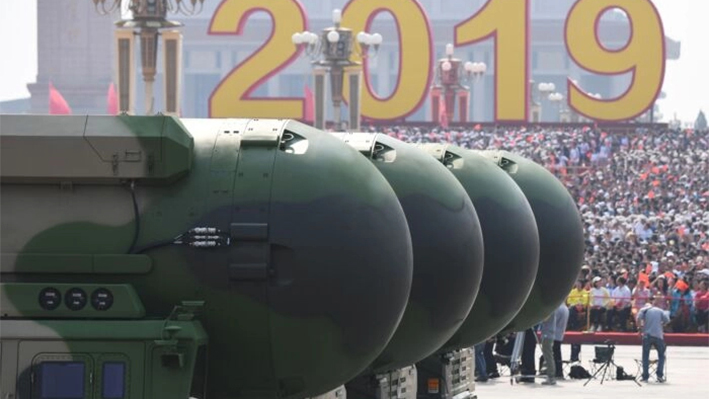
[643,56]
[507,21]
[231,97]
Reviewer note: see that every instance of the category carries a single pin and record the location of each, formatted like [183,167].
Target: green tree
[701,122]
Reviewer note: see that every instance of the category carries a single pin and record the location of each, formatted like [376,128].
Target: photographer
[651,320]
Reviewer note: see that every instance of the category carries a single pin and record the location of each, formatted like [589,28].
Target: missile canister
[560,236]
[447,245]
[293,245]
[510,237]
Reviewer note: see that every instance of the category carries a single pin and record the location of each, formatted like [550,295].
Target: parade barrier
[619,338]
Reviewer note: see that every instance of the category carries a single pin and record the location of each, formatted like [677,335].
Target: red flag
[442,114]
[309,110]
[644,277]
[112,100]
[57,103]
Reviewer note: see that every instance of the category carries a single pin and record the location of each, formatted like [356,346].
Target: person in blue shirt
[651,320]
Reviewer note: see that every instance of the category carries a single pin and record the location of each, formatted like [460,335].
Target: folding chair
[652,368]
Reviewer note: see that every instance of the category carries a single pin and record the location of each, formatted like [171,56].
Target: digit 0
[231,98]
[507,21]
[643,56]
[415,55]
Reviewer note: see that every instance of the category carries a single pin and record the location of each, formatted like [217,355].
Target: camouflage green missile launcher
[448,259]
[447,245]
[560,236]
[147,257]
[511,242]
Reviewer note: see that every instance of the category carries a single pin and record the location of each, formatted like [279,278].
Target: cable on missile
[197,237]
[136,216]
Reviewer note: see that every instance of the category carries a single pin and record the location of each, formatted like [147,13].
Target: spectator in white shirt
[599,302]
[621,299]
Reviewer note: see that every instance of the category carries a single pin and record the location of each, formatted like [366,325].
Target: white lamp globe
[336,16]
[376,39]
[305,37]
[446,66]
[449,49]
[469,66]
[312,38]
[362,37]
[297,38]
[333,36]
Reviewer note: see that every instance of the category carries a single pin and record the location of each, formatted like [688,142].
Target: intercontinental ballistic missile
[511,242]
[448,256]
[447,245]
[560,236]
[131,244]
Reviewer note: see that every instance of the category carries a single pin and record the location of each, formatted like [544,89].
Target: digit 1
[507,21]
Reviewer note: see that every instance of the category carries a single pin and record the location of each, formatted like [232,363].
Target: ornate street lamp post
[148,18]
[330,52]
[451,75]
[545,90]
[556,100]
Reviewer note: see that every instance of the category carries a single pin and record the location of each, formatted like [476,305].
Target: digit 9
[643,56]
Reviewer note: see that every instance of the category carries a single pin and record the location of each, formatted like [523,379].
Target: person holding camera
[651,320]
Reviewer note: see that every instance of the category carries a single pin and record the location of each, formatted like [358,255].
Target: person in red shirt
[702,307]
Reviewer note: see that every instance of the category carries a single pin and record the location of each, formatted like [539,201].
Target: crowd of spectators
[643,196]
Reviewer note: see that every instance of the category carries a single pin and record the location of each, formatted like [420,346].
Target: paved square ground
[687,378]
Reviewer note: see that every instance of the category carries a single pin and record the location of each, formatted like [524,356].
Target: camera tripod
[605,355]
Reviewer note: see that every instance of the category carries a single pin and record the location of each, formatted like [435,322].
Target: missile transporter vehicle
[151,257]
[145,257]
[447,244]
[561,242]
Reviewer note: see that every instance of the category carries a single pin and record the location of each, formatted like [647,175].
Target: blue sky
[686,80]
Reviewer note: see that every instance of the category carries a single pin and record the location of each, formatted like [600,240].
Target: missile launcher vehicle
[151,257]
[511,242]
[560,236]
[132,244]
[448,256]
